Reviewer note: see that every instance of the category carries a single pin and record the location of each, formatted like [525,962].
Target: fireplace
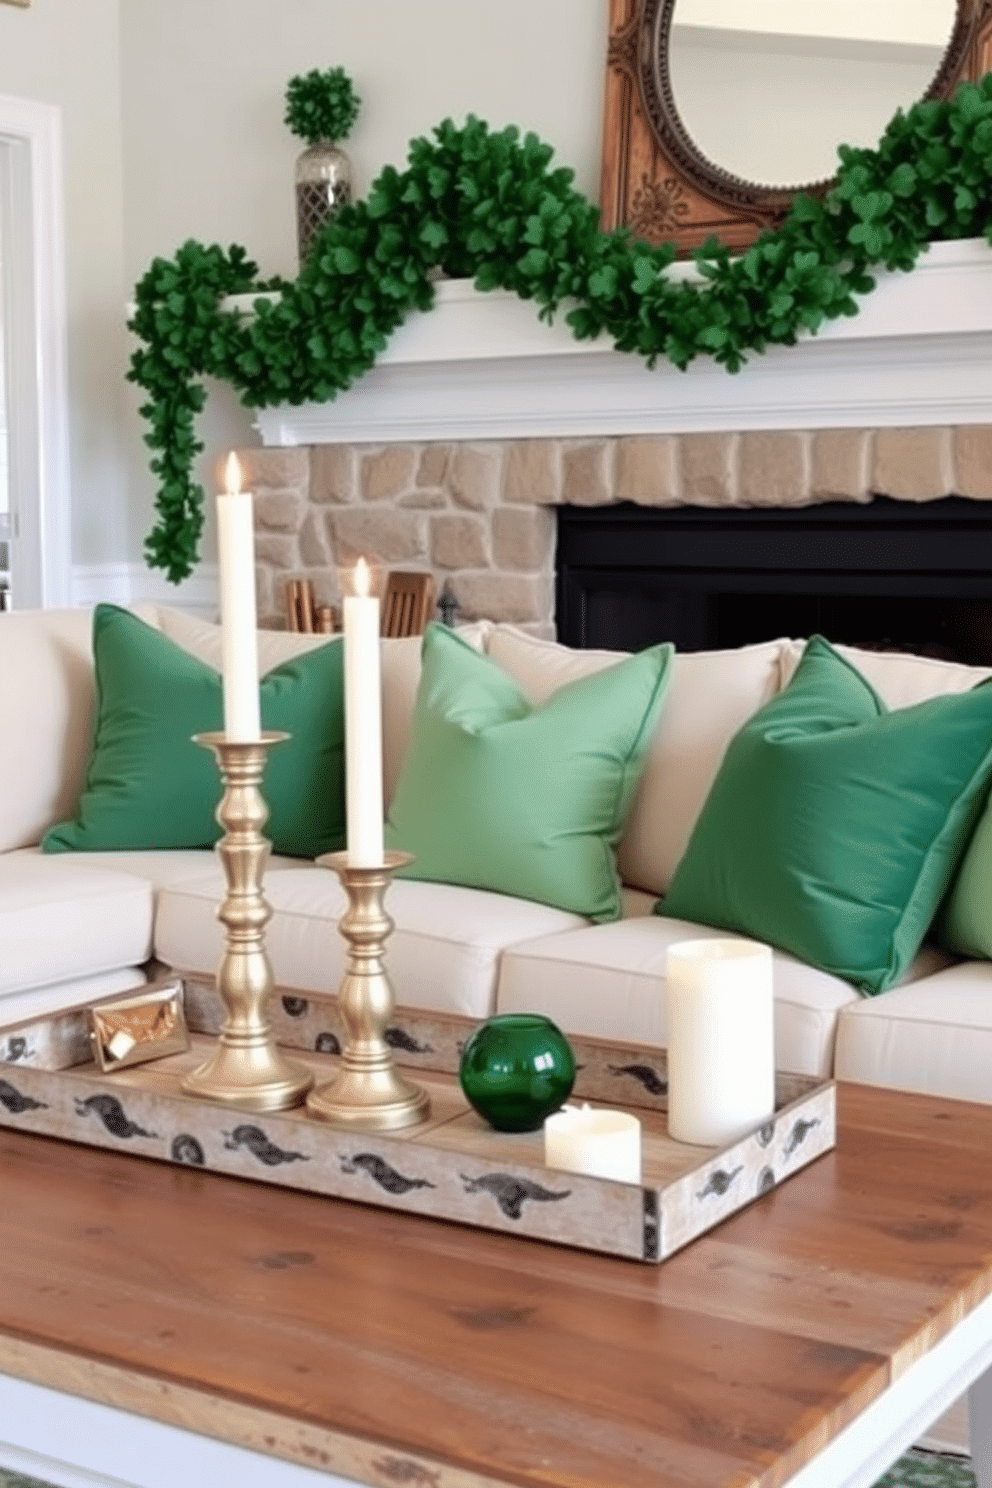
[480,427]
[887,573]
[705,539]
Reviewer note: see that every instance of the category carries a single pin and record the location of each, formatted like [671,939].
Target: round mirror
[767,90]
[718,111]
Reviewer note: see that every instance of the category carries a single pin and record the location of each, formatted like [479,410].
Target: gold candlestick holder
[246,1069]
[368,1094]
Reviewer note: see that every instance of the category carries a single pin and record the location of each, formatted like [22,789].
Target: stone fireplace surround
[479,515]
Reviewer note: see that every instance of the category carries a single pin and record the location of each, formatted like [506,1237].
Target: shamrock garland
[488,205]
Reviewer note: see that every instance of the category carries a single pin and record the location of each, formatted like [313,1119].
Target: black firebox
[893,574]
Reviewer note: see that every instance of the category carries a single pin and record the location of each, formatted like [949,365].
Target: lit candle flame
[232,475]
[363,579]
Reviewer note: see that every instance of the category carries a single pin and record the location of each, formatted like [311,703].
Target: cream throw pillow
[710,696]
[46,669]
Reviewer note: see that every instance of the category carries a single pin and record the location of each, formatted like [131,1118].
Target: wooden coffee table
[171,1328]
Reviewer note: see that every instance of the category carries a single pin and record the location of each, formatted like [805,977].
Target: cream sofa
[77,926]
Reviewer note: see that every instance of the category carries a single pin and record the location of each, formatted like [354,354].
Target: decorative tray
[453,1166]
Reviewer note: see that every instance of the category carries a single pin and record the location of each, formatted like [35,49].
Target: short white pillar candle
[721,1040]
[602,1144]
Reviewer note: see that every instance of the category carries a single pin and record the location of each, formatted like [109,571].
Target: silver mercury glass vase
[323,184]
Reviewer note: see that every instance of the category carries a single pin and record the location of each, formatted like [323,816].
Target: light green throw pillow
[965,924]
[834,826]
[497,794]
[149,786]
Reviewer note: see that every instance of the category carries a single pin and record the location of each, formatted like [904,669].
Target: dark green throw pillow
[834,826]
[149,786]
[497,794]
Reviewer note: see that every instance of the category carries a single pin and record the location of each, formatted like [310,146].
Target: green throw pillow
[497,794]
[149,786]
[965,923]
[834,826]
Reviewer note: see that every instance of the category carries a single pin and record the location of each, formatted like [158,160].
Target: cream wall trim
[126,583]
[31,207]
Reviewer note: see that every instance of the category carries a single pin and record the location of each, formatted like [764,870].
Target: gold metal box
[131,1030]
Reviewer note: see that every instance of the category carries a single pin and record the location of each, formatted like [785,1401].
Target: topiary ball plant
[321,105]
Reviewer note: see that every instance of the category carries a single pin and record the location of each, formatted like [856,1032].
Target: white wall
[66,53]
[173,129]
[207,155]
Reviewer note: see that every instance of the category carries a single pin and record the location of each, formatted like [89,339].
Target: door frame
[32,286]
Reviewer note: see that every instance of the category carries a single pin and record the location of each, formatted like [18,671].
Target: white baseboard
[127,583]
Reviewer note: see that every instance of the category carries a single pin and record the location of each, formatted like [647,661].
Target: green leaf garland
[486,205]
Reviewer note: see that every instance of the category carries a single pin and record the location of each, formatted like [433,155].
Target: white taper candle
[239,644]
[363,723]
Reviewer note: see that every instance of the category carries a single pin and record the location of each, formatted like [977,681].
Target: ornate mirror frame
[655,179]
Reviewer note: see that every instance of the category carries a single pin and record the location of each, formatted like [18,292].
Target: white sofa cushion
[710,695]
[77,992]
[47,671]
[934,1036]
[41,889]
[608,981]
[62,919]
[159,866]
[443,954]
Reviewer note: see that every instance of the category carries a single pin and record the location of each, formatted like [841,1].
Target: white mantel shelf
[482,366]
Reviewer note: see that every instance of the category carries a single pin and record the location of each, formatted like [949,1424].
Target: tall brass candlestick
[369,1094]
[246,1070]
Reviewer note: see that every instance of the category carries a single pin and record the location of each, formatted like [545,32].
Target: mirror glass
[768,89]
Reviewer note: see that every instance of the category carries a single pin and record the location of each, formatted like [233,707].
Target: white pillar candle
[603,1144]
[239,645]
[363,723]
[721,1040]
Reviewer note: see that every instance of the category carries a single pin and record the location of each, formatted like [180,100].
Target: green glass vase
[517,1068]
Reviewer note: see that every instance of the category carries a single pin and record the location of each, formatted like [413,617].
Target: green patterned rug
[915,1470]
[920,1470]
